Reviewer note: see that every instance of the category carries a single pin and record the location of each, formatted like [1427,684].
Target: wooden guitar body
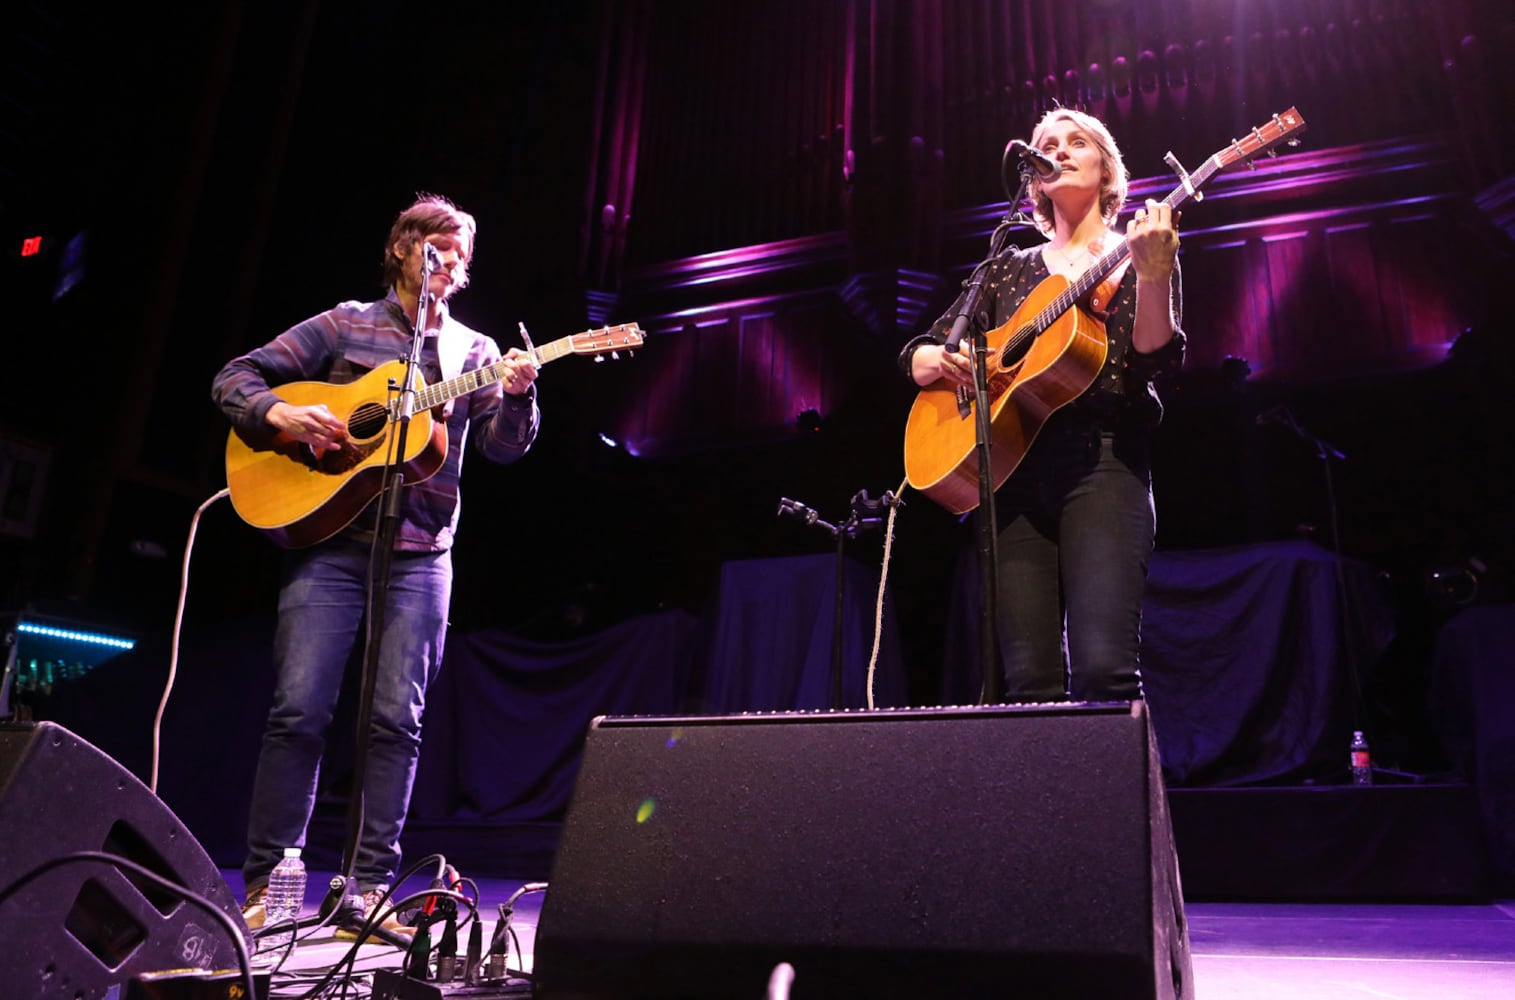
[1030,377]
[279,486]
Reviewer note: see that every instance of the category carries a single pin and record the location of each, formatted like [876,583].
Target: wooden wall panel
[1294,279]
[1438,281]
[1219,324]
[1326,300]
[1295,321]
[739,375]
[761,122]
[1357,291]
[796,153]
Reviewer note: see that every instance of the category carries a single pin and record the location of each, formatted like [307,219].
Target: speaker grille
[901,850]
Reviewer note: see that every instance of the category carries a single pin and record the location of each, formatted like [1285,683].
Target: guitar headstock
[607,339]
[1283,128]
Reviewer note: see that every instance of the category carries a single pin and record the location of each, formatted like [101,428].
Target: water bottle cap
[291,852]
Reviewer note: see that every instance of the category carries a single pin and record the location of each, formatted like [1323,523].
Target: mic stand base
[352,918]
[377,934]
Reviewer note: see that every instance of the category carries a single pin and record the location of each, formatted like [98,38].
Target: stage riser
[1382,843]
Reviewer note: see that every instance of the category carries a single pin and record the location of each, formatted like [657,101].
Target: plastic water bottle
[286,895]
[1362,760]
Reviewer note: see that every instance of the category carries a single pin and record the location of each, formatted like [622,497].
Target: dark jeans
[1076,530]
[321,608]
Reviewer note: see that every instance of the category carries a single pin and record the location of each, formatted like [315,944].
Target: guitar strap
[452,343]
[452,348]
[452,351]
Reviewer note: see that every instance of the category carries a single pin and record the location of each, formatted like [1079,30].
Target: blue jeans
[321,610]
[1076,531]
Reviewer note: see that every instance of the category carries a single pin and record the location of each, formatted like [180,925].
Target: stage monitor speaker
[83,928]
[970,852]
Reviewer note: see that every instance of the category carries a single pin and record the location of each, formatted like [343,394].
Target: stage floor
[1241,951]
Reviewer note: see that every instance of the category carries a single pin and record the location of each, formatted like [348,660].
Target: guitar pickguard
[340,461]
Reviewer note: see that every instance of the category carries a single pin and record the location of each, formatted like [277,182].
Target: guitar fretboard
[609,339]
[1283,128]
[434,395]
[1101,268]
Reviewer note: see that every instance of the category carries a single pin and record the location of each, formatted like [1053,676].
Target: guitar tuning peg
[615,355]
[598,358]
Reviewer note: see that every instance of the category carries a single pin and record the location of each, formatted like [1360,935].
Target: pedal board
[391,985]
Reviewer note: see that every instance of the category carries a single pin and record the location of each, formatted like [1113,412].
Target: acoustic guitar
[281,487]
[1047,354]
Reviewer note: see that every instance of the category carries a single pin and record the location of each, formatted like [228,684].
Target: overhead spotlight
[809,421]
[609,441]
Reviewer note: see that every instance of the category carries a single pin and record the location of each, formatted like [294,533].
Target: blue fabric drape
[1248,656]
[1244,662]
[773,637]
[1473,703]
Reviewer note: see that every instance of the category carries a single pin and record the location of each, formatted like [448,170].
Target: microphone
[433,258]
[1041,161]
[806,514]
[959,331]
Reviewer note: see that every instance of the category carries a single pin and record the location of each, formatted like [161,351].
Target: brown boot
[255,910]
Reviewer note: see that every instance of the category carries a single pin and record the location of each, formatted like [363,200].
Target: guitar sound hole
[1016,347]
[367,421]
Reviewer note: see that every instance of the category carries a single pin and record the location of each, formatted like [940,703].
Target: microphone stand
[344,892]
[992,692]
[857,521]
[1347,617]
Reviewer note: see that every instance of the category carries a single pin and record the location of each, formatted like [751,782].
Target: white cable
[883,578]
[173,656]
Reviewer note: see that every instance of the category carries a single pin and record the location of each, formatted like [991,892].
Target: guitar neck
[1282,128]
[478,378]
[1106,264]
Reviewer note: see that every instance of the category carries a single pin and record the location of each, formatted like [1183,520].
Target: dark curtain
[1248,659]
[505,722]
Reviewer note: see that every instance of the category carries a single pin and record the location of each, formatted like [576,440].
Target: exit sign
[31,246]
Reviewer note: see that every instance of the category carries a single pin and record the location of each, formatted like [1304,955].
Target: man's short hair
[429,215]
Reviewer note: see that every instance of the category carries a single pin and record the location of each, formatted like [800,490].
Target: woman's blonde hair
[1112,194]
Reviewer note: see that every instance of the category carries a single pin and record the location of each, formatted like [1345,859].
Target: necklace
[1070,259]
[1080,254]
